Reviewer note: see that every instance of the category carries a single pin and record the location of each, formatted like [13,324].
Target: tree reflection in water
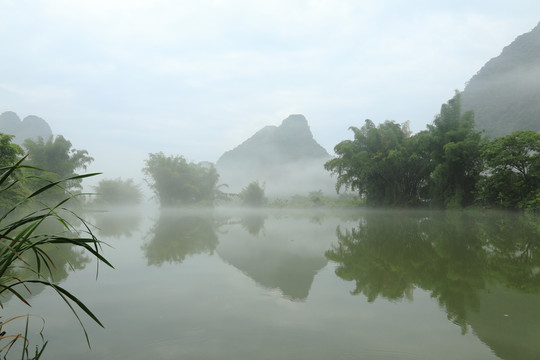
[453,255]
[175,236]
[66,259]
[117,223]
[253,223]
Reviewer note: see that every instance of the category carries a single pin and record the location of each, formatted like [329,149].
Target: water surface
[304,284]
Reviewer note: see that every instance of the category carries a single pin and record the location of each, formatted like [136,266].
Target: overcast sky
[196,78]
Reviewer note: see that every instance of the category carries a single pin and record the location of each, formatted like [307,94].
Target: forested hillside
[505,93]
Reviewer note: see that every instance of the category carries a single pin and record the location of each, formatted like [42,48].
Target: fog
[285,180]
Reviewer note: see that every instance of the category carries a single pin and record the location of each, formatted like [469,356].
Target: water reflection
[513,244]
[483,269]
[253,223]
[267,284]
[177,235]
[62,261]
[116,223]
[286,255]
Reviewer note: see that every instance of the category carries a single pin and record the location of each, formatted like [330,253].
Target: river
[301,284]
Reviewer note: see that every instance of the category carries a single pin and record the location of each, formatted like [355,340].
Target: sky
[124,78]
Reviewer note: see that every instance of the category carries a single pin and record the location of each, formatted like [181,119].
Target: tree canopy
[253,195]
[513,171]
[176,181]
[13,190]
[448,165]
[118,192]
[60,160]
[381,163]
[455,156]
[9,152]
[57,156]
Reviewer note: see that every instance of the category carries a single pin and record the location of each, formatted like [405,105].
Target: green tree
[253,195]
[60,160]
[382,163]
[118,192]
[455,155]
[9,152]
[178,182]
[512,177]
[13,189]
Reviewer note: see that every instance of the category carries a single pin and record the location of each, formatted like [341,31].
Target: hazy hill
[30,127]
[505,93]
[286,158]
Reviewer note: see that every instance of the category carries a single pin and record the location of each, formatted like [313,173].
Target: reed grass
[22,239]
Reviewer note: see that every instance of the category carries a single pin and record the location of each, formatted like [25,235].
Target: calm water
[302,285]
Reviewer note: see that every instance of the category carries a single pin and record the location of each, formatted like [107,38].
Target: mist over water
[243,284]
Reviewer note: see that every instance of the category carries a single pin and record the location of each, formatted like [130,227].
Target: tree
[13,190]
[381,163]
[253,195]
[455,155]
[512,177]
[118,192]
[178,182]
[9,152]
[57,157]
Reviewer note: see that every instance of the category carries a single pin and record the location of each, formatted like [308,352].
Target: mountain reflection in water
[312,284]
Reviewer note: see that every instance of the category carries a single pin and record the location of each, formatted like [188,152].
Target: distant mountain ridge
[505,93]
[276,156]
[31,127]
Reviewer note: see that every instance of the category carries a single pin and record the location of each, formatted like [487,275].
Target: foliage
[381,164]
[9,152]
[513,171]
[118,192]
[178,182]
[389,167]
[13,190]
[60,160]
[24,248]
[455,153]
[253,195]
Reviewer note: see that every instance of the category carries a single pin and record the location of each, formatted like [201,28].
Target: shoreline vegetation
[448,166]
[31,232]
